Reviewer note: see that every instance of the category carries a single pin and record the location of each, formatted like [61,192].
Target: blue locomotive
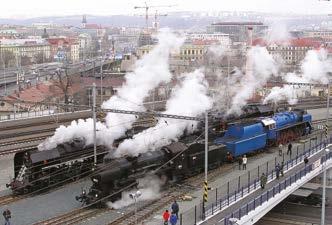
[248,136]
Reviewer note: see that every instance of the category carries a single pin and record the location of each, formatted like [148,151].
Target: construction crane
[147,7]
[156,15]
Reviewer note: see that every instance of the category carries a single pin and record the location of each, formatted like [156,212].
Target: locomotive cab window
[269,123]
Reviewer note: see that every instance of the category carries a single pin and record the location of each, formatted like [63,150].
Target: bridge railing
[222,200]
[276,189]
[29,114]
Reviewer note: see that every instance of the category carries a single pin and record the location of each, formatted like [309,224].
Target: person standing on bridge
[282,168]
[263,180]
[277,171]
[289,150]
[244,162]
[7,215]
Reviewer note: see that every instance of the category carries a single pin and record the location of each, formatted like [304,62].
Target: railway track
[72,217]
[5,200]
[24,141]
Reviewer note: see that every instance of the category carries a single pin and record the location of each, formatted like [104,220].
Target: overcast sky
[34,8]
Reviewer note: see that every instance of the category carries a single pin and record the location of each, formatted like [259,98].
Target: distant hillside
[180,20]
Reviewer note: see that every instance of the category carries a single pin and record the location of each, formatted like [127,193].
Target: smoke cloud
[149,73]
[314,69]
[148,187]
[277,32]
[77,129]
[190,99]
[260,67]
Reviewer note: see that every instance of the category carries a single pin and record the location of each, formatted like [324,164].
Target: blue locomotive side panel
[285,119]
[307,118]
[241,139]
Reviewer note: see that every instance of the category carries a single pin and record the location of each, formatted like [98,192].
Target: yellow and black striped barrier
[205,196]
[326,131]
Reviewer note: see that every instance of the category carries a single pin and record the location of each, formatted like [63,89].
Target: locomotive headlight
[179,166]
[95,180]
[96,195]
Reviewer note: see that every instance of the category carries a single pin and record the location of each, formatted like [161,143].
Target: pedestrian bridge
[248,203]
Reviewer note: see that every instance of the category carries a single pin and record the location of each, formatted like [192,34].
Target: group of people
[243,162]
[279,171]
[289,149]
[171,218]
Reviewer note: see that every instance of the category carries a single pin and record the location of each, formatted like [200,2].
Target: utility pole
[324,169]
[4,69]
[94,123]
[206,189]
[101,73]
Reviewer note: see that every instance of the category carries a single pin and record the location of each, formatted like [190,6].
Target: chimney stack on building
[250,36]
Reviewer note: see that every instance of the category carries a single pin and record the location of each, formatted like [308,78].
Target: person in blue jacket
[173,219]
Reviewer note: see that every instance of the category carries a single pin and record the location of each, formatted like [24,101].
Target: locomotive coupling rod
[156,114]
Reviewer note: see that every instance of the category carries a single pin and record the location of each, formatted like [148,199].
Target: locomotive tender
[119,173]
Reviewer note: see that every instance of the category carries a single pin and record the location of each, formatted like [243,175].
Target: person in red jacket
[166,216]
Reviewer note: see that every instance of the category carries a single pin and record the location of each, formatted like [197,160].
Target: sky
[36,8]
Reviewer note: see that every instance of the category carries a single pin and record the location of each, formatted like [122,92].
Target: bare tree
[8,58]
[39,58]
[64,82]
[25,60]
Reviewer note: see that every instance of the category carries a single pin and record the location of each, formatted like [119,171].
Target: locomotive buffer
[206,188]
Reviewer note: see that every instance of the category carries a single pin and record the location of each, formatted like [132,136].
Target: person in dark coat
[277,170]
[173,219]
[175,208]
[306,160]
[263,180]
[282,168]
[7,215]
[289,149]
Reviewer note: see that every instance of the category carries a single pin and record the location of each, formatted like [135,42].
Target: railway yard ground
[60,207]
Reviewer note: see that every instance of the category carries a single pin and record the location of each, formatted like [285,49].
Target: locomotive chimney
[250,36]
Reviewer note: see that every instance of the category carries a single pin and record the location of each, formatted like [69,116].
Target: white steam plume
[148,187]
[282,93]
[190,99]
[77,129]
[261,66]
[314,69]
[277,31]
[149,73]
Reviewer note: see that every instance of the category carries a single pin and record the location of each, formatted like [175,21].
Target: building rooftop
[238,23]
[296,42]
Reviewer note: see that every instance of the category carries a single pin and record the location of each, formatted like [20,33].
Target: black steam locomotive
[37,170]
[116,174]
